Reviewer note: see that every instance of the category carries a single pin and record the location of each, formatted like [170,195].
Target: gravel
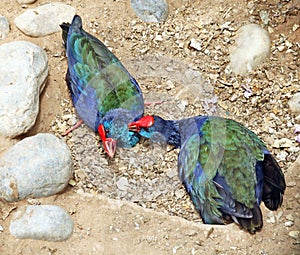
[163,68]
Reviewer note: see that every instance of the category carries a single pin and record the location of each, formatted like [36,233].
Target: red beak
[109,144]
[144,122]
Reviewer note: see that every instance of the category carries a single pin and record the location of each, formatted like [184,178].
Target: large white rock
[42,222]
[252,47]
[37,166]
[4,27]
[23,71]
[45,19]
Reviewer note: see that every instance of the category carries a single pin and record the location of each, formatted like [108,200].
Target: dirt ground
[104,223]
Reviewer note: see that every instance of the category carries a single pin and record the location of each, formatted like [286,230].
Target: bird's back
[226,169]
[97,80]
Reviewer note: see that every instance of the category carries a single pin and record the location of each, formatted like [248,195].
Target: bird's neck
[163,131]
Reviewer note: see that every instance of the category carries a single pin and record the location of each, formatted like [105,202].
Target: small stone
[172,173]
[294,103]
[26,1]
[42,222]
[4,27]
[37,166]
[169,85]
[151,10]
[182,105]
[23,69]
[45,19]
[158,38]
[283,143]
[294,234]
[196,44]
[1,228]
[122,184]
[281,156]
[179,193]
[288,223]
[289,217]
[251,49]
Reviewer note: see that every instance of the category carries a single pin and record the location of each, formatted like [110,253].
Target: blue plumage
[105,95]
[225,168]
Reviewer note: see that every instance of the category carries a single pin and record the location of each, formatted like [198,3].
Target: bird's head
[157,129]
[114,131]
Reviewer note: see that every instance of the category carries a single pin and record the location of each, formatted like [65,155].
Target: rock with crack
[37,166]
[23,71]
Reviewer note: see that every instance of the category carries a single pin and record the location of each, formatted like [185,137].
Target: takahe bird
[225,168]
[105,95]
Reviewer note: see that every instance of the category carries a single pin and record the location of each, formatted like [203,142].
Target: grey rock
[4,27]
[252,47]
[294,103]
[23,71]
[151,10]
[42,222]
[37,166]
[45,19]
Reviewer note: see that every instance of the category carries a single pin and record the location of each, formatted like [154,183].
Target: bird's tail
[274,183]
[65,29]
[253,224]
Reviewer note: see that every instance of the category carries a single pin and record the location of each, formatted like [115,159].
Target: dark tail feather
[274,183]
[65,29]
[253,224]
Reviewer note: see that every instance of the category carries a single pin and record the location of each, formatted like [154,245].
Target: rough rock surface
[294,103]
[45,19]
[42,222]
[151,11]
[251,49]
[37,166]
[4,27]
[23,71]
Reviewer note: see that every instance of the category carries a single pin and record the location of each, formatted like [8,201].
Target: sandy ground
[112,226]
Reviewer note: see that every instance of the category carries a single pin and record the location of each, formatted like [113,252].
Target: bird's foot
[154,103]
[72,128]
[144,122]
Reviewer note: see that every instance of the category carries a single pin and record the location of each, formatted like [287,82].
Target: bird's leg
[144,122]
[154,103]
[72,128]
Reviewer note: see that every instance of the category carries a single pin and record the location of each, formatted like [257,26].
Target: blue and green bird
[225,168]
[106,97]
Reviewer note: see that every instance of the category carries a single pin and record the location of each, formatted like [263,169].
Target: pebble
[281,156]
[289,223]
[294,234]
[122,184]
[44,19]
[42,222]
[251,49]
[151,10]
[294,103]
[4,27]
[23,71]
[283,143]
[195,44]
[26,1]
[37,166]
